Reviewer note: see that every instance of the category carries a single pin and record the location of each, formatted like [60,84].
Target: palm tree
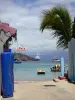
[59,20]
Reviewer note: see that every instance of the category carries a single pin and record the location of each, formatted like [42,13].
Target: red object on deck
[61,78]
[5,27]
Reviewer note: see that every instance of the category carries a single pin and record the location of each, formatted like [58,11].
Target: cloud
[25,17]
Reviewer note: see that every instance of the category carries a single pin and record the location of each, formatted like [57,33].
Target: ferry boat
[37,57]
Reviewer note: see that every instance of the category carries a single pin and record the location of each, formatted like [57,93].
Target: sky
[25,16]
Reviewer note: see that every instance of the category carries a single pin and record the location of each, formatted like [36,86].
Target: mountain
[49,55]
[23,57]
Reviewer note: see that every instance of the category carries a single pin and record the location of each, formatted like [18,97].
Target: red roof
[5,27]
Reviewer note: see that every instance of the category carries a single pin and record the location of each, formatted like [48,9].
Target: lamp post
[62,66]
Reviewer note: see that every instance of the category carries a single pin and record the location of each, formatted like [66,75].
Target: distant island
[23,57]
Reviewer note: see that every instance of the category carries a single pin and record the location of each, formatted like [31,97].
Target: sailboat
[37,57]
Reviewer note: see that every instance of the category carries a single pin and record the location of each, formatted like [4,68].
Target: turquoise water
[27,71]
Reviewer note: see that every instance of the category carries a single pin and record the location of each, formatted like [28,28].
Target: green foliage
[59,20]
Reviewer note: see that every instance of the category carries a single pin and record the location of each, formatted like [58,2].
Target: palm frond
[59,20]
[73,29]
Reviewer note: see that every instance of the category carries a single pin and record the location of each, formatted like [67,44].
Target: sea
[27,71]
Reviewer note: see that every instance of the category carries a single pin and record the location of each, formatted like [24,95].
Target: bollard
[62,67]
[7,87]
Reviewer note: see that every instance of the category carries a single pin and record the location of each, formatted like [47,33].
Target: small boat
[40,71]
[17,62]
[55,60]
[56,68]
